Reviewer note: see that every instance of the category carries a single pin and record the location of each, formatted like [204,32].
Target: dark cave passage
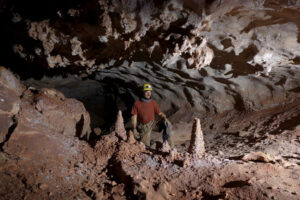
[102,99]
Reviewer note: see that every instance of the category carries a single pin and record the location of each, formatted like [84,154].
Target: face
[147,94]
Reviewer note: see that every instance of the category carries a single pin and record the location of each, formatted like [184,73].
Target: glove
[162,115]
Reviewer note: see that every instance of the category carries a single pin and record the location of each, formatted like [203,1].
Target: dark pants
[167,130]
[146,129]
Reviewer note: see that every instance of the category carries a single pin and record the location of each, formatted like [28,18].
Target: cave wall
[202,57]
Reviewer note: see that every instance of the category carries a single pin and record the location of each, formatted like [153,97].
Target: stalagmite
[130,138]
[119,126]
[196,147]
[166,147]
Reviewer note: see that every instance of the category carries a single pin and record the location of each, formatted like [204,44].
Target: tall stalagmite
[119,126]
[196,147]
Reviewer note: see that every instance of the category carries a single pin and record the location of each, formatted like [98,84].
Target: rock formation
[130,138]
[197,148]
[166,147]
[46,108]
[119,126]
[258,156]
[53,107]
[40,150]
[10,92]
[197,52]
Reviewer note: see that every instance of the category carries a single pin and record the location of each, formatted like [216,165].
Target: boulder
[10,92]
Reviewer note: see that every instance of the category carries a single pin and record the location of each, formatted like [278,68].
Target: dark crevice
[239,102]
[282,81]
[79,127]
[41,9]
[226,43]
[280,16]
[292,157]
[208,196]
[235,184]
[89,193]
[9,132]
[287,125]
[236,157]
[297,90]
[240,67]
[297,60]
[189,97]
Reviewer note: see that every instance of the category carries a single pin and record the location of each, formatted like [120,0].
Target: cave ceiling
[210,55]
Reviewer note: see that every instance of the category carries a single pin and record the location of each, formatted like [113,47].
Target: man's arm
[134,121]
[134,112]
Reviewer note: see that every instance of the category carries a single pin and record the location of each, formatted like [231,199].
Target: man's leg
[167,134]
[146,130]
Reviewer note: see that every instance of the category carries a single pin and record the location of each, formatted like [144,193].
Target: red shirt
[145,111]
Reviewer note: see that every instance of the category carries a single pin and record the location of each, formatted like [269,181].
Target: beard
[147,97]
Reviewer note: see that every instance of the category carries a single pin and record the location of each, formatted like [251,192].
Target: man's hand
[136,134]
[134,123]
[162,115]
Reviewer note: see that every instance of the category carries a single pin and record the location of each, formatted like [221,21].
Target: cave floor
[274,131]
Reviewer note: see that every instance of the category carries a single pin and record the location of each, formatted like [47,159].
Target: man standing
[143,115]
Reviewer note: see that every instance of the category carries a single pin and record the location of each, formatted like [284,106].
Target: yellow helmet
[147,87]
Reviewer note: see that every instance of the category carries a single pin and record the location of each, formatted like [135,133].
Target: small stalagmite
[130,139]
[119,126]
[196,147]
[166,147]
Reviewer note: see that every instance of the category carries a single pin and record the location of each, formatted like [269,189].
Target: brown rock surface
[258,156]
[10,91]
[40,152]
[154,177]
[54,107]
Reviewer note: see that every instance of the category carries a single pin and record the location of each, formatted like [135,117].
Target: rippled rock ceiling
[212,56]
